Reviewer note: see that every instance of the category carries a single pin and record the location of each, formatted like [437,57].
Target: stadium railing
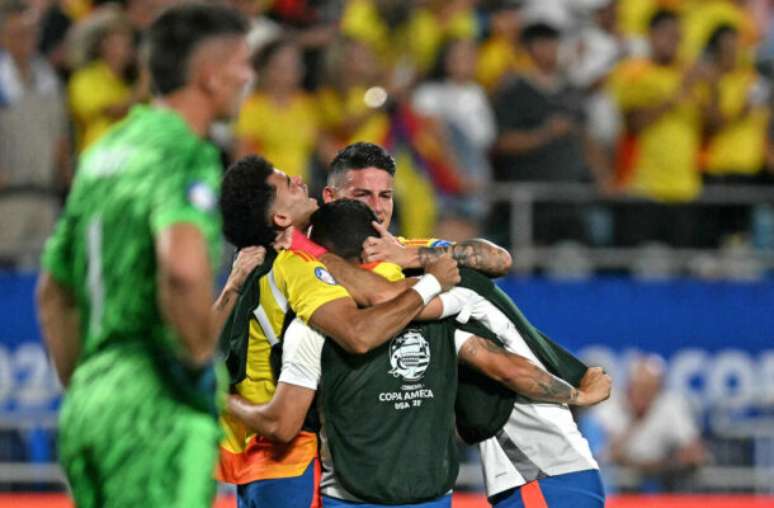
[527,255]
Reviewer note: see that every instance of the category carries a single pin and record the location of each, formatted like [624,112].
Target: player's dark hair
[178,32]
[342,226]
[360,155]
[245,201]
[661,16]
[713,44]
[537,31]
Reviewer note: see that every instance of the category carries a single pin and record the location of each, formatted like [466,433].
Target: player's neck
[192,107]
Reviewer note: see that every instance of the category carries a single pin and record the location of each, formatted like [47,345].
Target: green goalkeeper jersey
[147,173]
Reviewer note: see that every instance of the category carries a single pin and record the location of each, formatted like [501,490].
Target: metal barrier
[524,196]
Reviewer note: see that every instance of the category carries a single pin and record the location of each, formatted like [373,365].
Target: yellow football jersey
[299,282]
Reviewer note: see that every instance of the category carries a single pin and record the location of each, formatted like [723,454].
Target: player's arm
[283,417]
[365,287]
[60,322]
[478,254]
[185,289]
[246,261]
[526,378]
[279,420]
[360,330]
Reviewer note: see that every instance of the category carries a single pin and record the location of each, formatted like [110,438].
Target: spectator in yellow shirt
[279,120]
[737,116]
[100,93]
[501,54]
[738,111]
[662,107]
[660,101]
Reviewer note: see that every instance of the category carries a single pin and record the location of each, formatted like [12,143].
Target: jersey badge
[409,355]
[325,276]
[201,196]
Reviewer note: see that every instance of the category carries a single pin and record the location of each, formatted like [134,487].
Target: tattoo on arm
[479,255]
[522,376]
[549,388]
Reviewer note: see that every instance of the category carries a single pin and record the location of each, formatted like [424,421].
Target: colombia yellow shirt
[299,282]
[286,134]
[92,89]
[498,57]
[667,151]
[740,146]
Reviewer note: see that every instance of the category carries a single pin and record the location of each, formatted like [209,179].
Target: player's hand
[594,387]
[444,269]
[384,248]
[246,261]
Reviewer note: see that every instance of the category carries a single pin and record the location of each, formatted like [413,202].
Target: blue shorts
[332,502]
[572,490]
[295,492]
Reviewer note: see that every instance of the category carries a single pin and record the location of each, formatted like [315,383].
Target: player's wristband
[428,287]
[299,242]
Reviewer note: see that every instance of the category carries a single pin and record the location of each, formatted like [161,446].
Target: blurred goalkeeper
[125,292]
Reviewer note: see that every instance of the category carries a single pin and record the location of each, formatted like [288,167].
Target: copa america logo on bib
[409,356]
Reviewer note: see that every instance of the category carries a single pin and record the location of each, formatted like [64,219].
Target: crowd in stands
[650,98]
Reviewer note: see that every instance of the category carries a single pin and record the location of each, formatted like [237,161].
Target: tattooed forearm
[541,385]
[516,372]
[480,255]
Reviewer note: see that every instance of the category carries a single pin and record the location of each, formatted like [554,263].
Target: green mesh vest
[388,415]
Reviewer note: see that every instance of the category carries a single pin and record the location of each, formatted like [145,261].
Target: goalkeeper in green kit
[125,292]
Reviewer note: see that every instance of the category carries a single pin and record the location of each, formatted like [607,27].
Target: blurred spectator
[467,121]
[651,430]
[542,136]
[701,18]
[347,114]
[279,120]
[405,36]
[590,56]
[738,112]
[34,159]
[501,54]
[737,120]
[102,53]
[262,29]
[662,105]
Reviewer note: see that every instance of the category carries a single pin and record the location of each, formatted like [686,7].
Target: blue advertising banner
[27,380]
[717,337]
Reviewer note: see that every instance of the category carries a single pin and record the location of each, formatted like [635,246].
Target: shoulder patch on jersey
[202,196]
[325,276]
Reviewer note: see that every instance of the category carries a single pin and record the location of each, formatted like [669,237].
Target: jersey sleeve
[389,271]
[307,283]
[190,195]
[301,356]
